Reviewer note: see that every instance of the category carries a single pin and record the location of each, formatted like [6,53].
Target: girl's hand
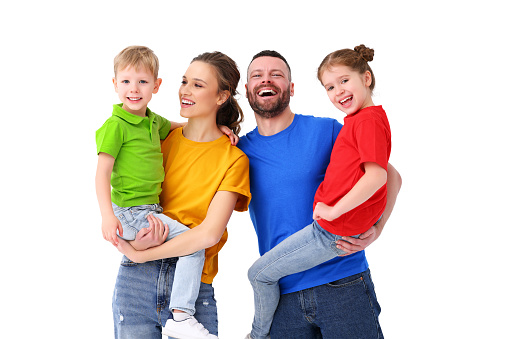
[352,245]
[110,225]
[323,211]
[229,133]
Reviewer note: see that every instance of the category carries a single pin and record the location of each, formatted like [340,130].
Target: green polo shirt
[135,143]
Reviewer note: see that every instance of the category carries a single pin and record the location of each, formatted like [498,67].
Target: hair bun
[365,52]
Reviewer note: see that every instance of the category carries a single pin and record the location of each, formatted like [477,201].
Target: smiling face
[347,89]
[268,86]
[199,95]
[135,89]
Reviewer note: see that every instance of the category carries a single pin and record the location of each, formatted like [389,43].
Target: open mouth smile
[346,100]
[187,102]
[266,92]
[134,98]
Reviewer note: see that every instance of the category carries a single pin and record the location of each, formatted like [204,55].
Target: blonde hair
[137,57]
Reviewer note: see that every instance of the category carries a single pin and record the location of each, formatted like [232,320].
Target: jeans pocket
[126,262]
[347,282]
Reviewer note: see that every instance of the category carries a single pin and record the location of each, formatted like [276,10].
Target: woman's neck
[201,130]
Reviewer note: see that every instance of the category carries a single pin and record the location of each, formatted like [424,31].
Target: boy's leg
[206,309]
[186,283]
[133,219]
[303,250]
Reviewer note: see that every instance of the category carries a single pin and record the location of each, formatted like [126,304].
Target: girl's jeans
[302,250]
[186,283]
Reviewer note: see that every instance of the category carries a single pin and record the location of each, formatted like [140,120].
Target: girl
[206,178]
[352,196]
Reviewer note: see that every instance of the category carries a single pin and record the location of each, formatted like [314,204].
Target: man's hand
[352,245]
[110,225]
[234,138]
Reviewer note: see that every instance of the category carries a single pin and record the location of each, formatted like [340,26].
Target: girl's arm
[110,223]
[374,177]
[205,235]
[352,245]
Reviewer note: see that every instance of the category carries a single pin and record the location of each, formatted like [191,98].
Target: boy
[130,160]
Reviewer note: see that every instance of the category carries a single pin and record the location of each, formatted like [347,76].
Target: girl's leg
[305,249]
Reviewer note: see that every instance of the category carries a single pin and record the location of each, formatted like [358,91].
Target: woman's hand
[152,236]
[126,249]
[352,245]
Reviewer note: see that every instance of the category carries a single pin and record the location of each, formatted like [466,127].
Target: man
[288,155]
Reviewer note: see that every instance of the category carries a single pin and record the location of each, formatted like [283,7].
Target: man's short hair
[273,54]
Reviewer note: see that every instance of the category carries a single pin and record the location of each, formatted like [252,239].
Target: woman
[206,178]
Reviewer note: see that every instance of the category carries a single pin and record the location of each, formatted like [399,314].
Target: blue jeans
[343,309]
[142,295]
[302,250]
[186,283]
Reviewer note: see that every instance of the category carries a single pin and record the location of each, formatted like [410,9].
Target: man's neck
[271,126]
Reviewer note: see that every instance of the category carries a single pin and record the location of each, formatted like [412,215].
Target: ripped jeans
[186,283]
[142,295]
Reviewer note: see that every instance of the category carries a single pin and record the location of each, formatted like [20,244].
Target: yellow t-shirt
[194,172]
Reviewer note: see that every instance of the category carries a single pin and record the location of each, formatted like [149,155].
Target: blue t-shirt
[285,170]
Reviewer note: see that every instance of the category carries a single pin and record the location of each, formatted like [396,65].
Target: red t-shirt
[365,137]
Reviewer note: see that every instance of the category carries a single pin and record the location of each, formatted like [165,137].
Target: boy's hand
[323,211]
[234,138]
[110,225]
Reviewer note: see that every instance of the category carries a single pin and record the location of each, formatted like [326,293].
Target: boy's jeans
[302,250]
[186,284]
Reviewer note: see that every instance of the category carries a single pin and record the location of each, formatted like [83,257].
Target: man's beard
[272,109]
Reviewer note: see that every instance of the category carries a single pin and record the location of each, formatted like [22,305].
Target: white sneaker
[186,329]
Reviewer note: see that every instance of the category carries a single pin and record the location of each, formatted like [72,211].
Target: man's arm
[352,245]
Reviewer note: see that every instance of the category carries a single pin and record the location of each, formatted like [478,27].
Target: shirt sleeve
[236,180]
[372,142]
[164,126]
[109,138]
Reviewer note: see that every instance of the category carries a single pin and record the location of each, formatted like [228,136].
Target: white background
[442,76]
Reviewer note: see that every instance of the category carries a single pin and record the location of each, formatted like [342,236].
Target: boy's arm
[110,223]
[174,125]
[374,177]
[352,245]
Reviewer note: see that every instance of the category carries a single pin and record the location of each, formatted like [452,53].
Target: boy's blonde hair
[137,57]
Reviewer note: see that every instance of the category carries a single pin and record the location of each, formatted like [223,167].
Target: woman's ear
[223,96]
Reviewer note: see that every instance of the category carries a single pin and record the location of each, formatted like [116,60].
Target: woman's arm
[205,235]
[353,245]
